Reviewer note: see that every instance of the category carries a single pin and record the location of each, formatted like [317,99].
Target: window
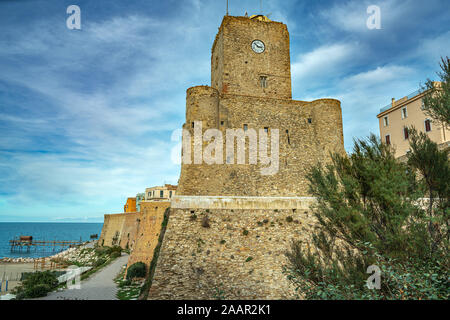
[405,133]
[263,81]
[388,139]
[192,124]
[386,121]
[170,194]
[427,125]
[404,113]
[245,127]
[287,135]
[309,120]
[149,194]
[161,193]
[266,129]
[222,123]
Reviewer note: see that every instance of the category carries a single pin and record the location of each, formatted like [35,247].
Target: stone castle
[252,90]
[229,225]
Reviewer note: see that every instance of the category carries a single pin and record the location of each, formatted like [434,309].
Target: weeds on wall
[148,281]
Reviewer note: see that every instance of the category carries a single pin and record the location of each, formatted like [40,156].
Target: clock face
[258,46]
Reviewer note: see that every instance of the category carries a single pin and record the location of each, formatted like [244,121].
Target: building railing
[409,96]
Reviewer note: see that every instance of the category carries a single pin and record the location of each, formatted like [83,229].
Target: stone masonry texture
[211,245]
[241,253]
[229,226]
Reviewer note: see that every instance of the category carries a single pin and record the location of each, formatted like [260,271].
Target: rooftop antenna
[227,7]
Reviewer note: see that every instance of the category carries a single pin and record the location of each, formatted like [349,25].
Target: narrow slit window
[309,120]
[263,81]
[245,127]
[192,124]
[288,139]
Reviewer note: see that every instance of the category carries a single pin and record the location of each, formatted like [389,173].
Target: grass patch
[128,289]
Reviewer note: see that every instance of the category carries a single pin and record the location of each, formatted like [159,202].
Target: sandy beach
[12,272]
[12,268]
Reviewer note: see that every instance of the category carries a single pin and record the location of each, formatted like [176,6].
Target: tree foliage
[369,213]
[437,98]
[136,270]
[36,284]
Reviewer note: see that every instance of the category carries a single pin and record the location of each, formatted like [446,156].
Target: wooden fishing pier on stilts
[27,244]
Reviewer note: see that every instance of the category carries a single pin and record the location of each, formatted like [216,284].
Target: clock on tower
[250,56]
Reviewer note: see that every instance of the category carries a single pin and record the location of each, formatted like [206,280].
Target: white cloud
[114,134]
[322,66]
[377,77]
[323,59]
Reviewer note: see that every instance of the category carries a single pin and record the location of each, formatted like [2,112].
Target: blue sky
[86,116]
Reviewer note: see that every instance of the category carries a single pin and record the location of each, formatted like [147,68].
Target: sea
[47,231]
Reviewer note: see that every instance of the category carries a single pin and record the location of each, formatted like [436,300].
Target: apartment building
[395,119]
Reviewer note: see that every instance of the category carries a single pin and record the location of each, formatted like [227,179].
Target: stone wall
[252,217]
[129,230]
[308,132]
[112,228]
[236,68]
[119,229]
[149,228]
[241,253]
[137,231]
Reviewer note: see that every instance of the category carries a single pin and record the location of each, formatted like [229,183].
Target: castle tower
[251,57]
[251,90]
[229,223]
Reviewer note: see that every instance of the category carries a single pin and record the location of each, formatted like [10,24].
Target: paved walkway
[100,286]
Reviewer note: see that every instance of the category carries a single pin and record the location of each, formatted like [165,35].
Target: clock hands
[258,46]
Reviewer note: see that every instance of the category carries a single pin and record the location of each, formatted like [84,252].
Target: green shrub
[102,251]
[39,290]
[99,262]
[115,255]
[116,249]
[36,284]
[137,270]
[125,283]
[368,215]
